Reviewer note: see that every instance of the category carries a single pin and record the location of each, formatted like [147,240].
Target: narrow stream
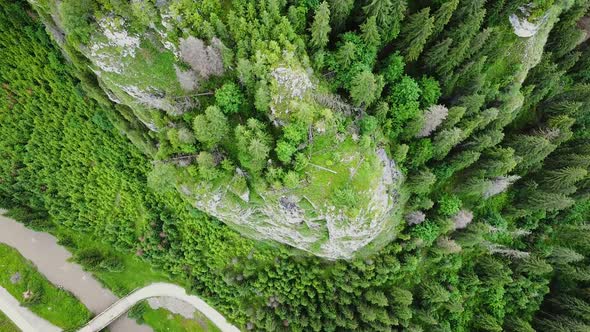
[51,260]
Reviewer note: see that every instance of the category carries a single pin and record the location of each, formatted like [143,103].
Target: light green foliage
[449,205]
[76,15]
[430,91]
[253,145]
[229,98]
[369,124]
[206,164]
[291,179]
[285,150]
[405,92]
[321,26]
[210,128]
[394,69]
[6,324]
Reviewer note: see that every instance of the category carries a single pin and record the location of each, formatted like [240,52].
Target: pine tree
[445,140]
[443,14]
[321,26]
[210,128]
[376,297]
[531,149]
[434,292]
[346,54]
[437,54]
[366,88]
[340,11]
[433,117]
[540,200]
[534,265]
[421,181]
[415,33]
[486,322]
[574,306]
[253,145]
[370,32]
[563,255]
[499,184]
[562,180]
[388,14]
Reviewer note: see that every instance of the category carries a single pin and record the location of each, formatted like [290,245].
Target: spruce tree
[320,28]
[415,33]
[370,32]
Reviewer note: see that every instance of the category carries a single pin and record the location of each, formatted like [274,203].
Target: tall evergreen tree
[415,33]
[320,28]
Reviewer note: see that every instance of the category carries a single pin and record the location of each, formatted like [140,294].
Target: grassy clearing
[49,302]
[151,68]
[345,159]
[163,321]
[6,324]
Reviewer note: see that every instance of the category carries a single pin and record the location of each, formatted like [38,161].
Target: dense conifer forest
[307,165]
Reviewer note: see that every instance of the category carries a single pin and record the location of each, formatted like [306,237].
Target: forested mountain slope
[441,147]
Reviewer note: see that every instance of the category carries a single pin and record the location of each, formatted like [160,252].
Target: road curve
[157,290]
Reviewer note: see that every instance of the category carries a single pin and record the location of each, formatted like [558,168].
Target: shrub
[449,205]
[229,98]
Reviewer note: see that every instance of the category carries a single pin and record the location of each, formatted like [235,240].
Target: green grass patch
[150,68]
[6,325]
[340,172]
[49,302]
[163,321]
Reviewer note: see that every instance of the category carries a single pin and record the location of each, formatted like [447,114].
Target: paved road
[157,290]
[22,317]
[51,260]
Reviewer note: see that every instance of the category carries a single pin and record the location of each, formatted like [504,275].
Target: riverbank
[52,260]
[43,249]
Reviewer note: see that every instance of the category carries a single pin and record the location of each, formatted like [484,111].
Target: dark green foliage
[64,164]
[415,33]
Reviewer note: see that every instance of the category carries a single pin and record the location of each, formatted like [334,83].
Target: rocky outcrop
[290,217]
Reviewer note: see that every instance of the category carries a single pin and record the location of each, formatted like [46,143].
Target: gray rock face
[290,217]
[15,278]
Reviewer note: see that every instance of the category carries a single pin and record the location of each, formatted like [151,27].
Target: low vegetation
[22,280]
